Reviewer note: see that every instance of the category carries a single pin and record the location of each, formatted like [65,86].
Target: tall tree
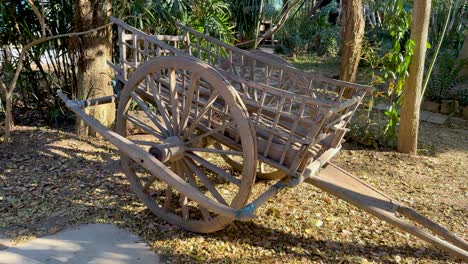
[407,140]
[94,75]
[352,32]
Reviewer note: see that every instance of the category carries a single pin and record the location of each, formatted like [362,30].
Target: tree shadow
[315,248]
[53,180]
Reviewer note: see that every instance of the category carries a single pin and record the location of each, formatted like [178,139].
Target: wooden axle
[87,103]
[172,149]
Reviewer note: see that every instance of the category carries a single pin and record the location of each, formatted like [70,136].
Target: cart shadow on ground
[321,249]
[54,180]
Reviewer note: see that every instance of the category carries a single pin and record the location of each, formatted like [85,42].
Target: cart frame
[297,123]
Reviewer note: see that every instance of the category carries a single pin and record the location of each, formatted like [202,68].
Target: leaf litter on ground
[51,179]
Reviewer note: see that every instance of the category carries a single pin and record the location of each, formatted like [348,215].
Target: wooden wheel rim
[239,115]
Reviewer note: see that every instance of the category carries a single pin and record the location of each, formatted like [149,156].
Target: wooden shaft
[318,163]
[343,185]
[269,193]
[87,103]
[434,227]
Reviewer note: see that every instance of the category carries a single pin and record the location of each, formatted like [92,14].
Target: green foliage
[39,79]
[367,129]
[152,15]
[213,17]
[16,26]
[247,14]
[388,51]
[303,34]
[395,68]
[457,24]
[444,83]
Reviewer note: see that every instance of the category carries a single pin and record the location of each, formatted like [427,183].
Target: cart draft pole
[349,188]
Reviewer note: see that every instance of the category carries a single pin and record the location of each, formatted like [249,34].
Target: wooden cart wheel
[179,104]
[264,172]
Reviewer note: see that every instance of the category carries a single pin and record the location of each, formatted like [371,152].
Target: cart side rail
[259,58]
[331,103]
[250,72]
[289,121]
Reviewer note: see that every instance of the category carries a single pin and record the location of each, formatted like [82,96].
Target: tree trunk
[407,141]
[352,32]
[94,75]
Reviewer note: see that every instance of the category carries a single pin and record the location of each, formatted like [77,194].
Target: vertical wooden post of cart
[122,53]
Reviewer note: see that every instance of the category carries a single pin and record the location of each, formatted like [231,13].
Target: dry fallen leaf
[86,186]
[316,222]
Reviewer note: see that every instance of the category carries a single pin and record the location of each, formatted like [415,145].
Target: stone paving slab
[435,118]
[94,243]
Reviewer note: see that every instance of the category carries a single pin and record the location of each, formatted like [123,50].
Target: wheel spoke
[184,204]
[160,103]
[174,101]
[183,199]
[143,126]
[214,169]
[167,201]
[204,179]
[193,182]
[217,151]
[148,184]
[189,101]
[205,213]
[149,113]
[261,167]
[201,114]
[208,133]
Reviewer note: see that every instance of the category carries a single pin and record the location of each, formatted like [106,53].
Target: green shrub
[445,81]
[313,35]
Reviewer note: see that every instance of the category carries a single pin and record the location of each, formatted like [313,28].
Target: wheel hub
[171,149]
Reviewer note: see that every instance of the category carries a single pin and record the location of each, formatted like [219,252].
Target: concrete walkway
[96,243]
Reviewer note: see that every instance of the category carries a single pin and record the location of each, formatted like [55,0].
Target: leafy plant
[444,82]
[301,34]
[47,65]
[456,10]
[153,16]
[247,14]
[388,51]
[212,17]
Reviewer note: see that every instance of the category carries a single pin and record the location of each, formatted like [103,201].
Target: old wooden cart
[191,104]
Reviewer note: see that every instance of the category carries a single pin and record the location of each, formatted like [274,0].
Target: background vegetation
[310,37]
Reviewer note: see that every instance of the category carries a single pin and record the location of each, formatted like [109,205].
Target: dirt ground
[52,179]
